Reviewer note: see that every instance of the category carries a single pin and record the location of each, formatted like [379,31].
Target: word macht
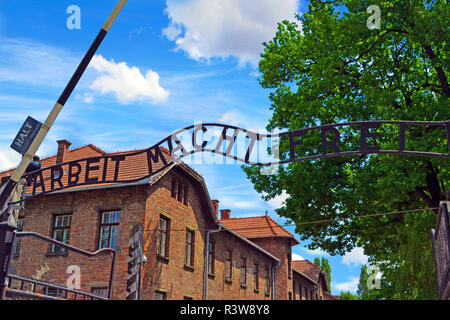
[237,144]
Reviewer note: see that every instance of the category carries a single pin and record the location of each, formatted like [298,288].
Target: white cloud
[316,252]
[232,117]
[127,83]
[223,28]
[279,200]
[296,257]
[237,202]
[355,257]
[171,32]
[351,285]
[8,159]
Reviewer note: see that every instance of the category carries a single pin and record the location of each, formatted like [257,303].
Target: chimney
[215,204]
[63,149]
[225,214]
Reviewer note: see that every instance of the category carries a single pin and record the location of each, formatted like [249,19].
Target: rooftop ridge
[270,225]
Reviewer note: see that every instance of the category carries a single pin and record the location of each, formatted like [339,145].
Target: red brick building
[191,252]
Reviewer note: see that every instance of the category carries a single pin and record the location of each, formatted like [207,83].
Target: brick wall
[219,288]
[145,204]
[280,248]
[85,208]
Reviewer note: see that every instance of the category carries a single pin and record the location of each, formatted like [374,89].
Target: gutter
[108,186]
[205,278]
[251,243]
[273,278]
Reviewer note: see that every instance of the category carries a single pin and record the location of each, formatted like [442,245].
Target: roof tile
[257,227]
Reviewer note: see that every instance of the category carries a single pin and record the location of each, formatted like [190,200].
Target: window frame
[185,194]
[54,249]
[256,277]
[102,225]
[104,291]
[289,259]
[243,267]
[228,265]
[160,293]
[174,190]
[189,248]
[166,232]
[267,280]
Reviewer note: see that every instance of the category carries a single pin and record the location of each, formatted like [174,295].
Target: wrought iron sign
[191,140]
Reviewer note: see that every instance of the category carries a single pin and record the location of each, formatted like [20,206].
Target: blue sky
[163,66]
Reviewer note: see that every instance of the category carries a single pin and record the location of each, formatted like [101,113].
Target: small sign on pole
[26,135]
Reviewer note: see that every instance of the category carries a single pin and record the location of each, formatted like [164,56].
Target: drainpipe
[205,280]
[273,278]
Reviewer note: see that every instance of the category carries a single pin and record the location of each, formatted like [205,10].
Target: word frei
[229,144]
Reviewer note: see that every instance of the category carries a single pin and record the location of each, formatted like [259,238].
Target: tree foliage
[329,67]
[324,265]
[347,296]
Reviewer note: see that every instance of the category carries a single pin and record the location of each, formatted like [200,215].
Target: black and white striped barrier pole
[7,189]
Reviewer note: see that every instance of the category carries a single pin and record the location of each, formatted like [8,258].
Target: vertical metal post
[111,276]
[6,241]
[8,188]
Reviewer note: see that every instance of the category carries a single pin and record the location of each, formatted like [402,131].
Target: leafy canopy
[329,67]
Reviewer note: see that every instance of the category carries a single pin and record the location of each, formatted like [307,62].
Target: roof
[134,166]
[222,227]
[257,227]
[328,296]
[310,270]
[307,268]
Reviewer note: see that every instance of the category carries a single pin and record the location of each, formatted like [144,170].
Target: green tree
[348,296]
[332,68]
[324,265]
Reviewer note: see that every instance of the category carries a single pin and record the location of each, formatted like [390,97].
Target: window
[189,261]
[267,280]
[211,256]
[163,237]
[186,193]
[290,295]
[179,191]
[53,292]
[61,231]
[256,277]
[159,295]
[109,229]
[16,247]
[100,291]
[293,290]
[228,265]
[174,188]
[243,271]
[188,298]
[300,291]
[289,266]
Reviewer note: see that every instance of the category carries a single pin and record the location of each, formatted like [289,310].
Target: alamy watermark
[374,21]
[374,280]
[74,280]
[74,20]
